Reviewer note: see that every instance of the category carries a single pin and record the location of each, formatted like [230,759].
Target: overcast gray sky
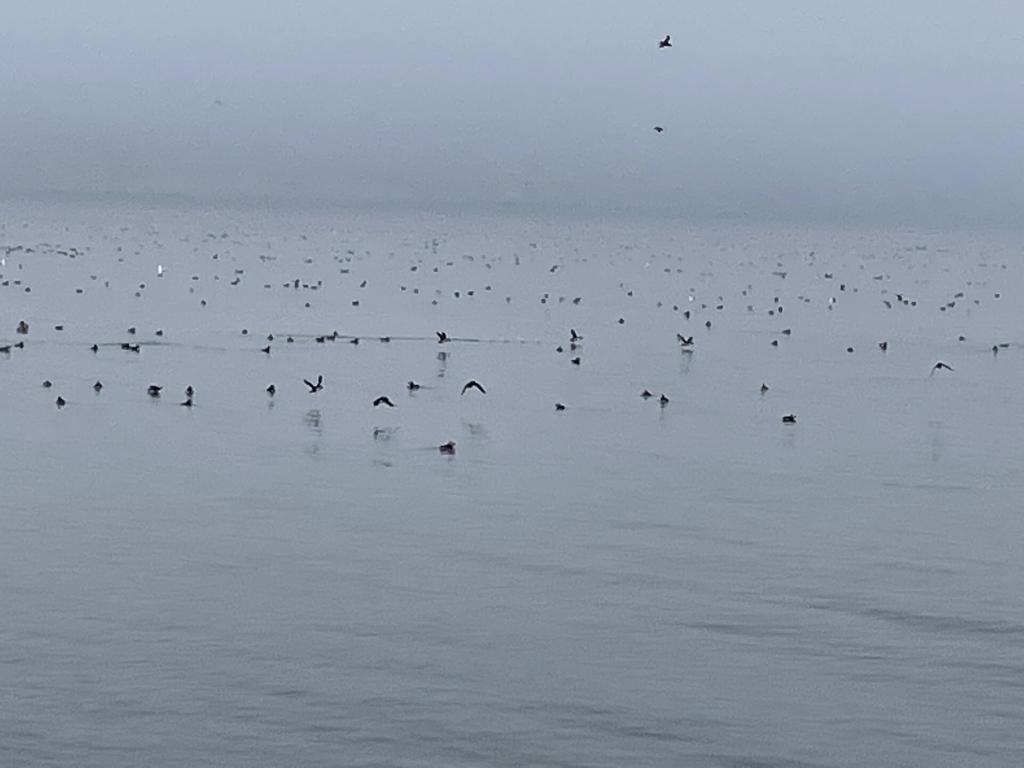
[816,106]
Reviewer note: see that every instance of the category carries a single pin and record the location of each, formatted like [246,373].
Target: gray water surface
[262,581]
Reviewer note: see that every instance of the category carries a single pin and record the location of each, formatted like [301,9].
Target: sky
[819,108]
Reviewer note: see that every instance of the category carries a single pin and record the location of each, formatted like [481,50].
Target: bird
[383,400]
[575,361]
[47,384]
[95,348]
[559,407]
[265,350]
[187,403]
[189,391]
[61,402]
[412,386]
[666,43]
[646,394]
[447,448]
[686,341]
[941,366]
[573,336]
[658,129]
[154,390]
[98,386]
[473,384]
[271,390]
[442,337]
[764,388]
[313,388]
[663,400]
[883,345]
[789,419]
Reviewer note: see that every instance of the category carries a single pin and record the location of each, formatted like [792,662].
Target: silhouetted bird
[666,43]
[447,448]
[789,419]
[559,407]
[98,386]
[383,400]
[686,341]
[883,345]
[573,336]
[47,384]
[663,400]
[154,390]
[61,402]
[271,390]
[473,384]
[187,403]
[646,394]
[189,391]
[95,348]
[442,337]
[315,387]
[265,350]
[939,366]
[764,388]
[658,129]
[575,361]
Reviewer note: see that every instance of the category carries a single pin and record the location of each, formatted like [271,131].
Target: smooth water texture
[305,580]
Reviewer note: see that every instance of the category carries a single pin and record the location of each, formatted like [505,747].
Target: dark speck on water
[484,580]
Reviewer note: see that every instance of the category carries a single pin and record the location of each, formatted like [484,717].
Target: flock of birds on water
[316,384]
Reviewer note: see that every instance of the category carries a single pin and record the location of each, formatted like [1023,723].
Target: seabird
[271,390]
[575,361]
[764,388]
[447,448]
[666,43]
[883,345]
[98,386]
[473,384]
[789,419]
[265,350]
[383,400]
[442,337]
[412,386]
[646,394]
[154,390]
[47,384]
[61,402]
[663,400]
[573,336]
[559,407]
[315,387]
[658,129]
[686,341]
[189,391]
[187,402]
[940,366]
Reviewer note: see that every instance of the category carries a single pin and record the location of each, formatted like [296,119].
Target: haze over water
[263,581]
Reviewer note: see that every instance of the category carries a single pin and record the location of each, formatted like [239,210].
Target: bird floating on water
[789,419]
[447,448]
[153,390]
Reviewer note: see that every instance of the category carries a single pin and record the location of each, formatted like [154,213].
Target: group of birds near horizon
[316,383]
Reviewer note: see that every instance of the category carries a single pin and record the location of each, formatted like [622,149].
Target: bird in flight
[666,43]
[315,387]
[939,366]
[442,337]
[658,129]
[383,400]
[473,384]
[448,448]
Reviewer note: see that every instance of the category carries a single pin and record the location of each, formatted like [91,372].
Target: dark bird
[98,386]
[447,448]
[271,390]
[663,400]
[646,394]
[764,388]
[95,348]
[383,400]
[189,391]
[559,407]
[686,341]
[789,419]
[573,336]
[6,349]
[666,43]
[61,402]
[442,337]
[315,387]
[265,350]
[473,384]
[575,361]
[658,129]
[187,402]
[47,384]
[153,390]
[939,366]
[883,345]
[412,386]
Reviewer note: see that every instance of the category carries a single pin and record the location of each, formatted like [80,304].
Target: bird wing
[309,384]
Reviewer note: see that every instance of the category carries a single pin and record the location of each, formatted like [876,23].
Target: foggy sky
[815,108]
